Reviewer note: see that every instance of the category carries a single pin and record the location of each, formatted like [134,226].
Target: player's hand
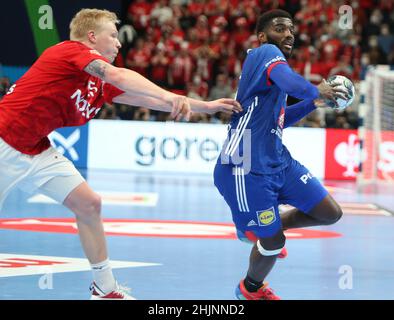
[331,92]
[225,105]
[320,103]
[180,108]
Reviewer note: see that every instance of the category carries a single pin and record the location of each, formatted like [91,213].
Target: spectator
[199,118]
[143,114]
[196,8]
[241,33]
[314,69]
[202,29]
[138,58]
[375,54]
[218,33]
[108,111]
[204,63]
[343,68]
[193,93]
[222,89]
[160,65]
[341,121]
[200,87]
[180,70]
[4,86]
[124,112]
[138,14]
[312,120]
[162,12]
[385,39]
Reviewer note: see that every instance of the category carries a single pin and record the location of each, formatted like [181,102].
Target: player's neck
[86,43]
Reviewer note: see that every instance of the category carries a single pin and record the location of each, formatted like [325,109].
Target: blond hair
[89,19]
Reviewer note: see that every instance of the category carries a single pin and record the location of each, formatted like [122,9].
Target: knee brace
[273,247]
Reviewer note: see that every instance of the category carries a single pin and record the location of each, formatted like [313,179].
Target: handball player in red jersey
[67,86]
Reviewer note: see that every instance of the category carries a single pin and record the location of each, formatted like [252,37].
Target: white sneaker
[120,293]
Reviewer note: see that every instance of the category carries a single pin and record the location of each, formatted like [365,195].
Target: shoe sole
[100,298]
[238,294]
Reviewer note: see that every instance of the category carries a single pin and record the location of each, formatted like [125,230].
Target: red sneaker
[264,293]
[120,293]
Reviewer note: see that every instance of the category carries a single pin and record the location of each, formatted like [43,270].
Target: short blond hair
[89,19]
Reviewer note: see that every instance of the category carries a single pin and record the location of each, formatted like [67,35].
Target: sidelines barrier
[194,148]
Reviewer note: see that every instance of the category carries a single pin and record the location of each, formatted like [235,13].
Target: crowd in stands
[197,48]
[4,86]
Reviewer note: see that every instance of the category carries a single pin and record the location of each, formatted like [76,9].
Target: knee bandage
[265,252]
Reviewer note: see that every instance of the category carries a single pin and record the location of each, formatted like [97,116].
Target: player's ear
[262,37]
[92,36]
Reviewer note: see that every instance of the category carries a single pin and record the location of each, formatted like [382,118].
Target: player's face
[281,33]
[107,42]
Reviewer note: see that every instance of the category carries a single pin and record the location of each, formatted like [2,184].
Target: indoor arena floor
[170,237]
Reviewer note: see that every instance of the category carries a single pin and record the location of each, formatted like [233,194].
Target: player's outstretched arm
[141,91]
[228,106]
[296,86]
[225,105]
[127,80]
[136,85]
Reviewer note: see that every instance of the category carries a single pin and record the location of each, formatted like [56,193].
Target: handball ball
[344,83]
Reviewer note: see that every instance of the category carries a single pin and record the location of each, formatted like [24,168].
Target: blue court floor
[170,237]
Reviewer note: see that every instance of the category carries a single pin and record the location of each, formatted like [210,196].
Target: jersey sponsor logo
[276,59]
[82,104]
[266,217]
[305,177]
[151,228]
[281,121]
[11,89]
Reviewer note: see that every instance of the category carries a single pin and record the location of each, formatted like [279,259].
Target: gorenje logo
[64,145]
[163,147]
[151,148]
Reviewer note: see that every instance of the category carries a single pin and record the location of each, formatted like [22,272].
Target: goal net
[376,133]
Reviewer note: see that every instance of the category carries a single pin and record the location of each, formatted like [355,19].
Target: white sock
[103,277]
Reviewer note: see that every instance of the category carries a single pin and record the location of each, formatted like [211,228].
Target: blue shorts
[254,198]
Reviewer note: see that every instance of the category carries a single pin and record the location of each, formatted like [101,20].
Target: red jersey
[55,92]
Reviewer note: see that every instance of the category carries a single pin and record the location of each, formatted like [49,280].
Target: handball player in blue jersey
[255,172]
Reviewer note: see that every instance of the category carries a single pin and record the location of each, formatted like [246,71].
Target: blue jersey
[255,135]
